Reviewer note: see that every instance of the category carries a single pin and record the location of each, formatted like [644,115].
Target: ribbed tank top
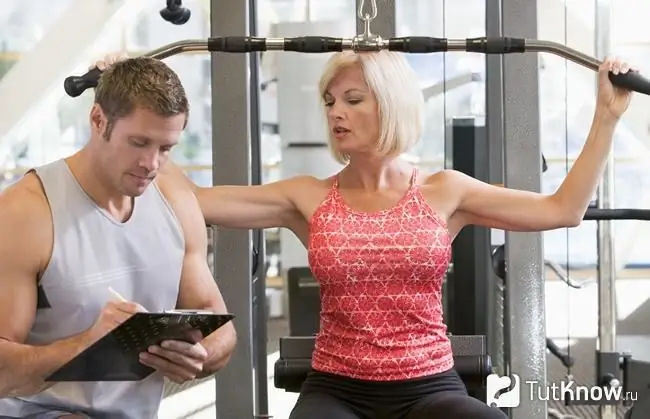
[380,276]
[140,258]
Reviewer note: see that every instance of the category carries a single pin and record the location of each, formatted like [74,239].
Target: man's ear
[97,120]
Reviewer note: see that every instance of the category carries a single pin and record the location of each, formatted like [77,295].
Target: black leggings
[444,396]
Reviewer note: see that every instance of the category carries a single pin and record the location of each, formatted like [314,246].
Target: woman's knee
[454,406]
[321,406]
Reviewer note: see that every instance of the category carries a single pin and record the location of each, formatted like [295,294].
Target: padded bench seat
[471,360]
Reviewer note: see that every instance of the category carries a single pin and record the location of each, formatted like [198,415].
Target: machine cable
[570,362]
[367,18]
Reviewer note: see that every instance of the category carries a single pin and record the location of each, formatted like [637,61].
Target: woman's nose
[336,112]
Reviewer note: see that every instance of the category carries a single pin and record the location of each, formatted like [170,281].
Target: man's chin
[134,191]
[138,191]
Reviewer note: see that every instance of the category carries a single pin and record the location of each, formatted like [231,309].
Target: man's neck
[88,174]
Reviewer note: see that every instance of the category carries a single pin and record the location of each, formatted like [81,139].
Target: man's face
[138,147]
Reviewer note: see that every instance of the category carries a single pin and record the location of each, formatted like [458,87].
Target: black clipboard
[115,357]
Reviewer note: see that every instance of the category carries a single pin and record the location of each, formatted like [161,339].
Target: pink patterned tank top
[380,276]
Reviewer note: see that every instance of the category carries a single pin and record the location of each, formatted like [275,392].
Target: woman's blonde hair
[399,98]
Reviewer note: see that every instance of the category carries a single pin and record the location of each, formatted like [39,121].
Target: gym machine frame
[613,369]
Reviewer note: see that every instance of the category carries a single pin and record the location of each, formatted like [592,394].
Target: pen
[116,294]
[119,296]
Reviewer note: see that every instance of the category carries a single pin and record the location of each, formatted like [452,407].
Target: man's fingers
[117,312]
[169,368]
[128,307]
[195,336]
[179,358]
[162,367]
[195,351]
[120,317]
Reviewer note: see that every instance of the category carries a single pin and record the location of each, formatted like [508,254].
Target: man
[101,221]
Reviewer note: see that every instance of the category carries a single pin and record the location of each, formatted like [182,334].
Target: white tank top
[141,259]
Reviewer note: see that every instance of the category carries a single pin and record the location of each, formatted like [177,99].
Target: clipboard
[115,357]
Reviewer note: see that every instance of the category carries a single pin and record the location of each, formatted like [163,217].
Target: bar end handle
[74,86]
[631,80]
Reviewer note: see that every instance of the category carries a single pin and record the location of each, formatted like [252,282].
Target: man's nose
[150,160]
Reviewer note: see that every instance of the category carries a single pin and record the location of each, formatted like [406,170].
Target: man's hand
[178,361]
[112,315]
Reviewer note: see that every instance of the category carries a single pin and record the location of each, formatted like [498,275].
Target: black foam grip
[76,85]
[237,44]
[313,44]
[473,366]
[631,80]
[298,368]
[418,44]
[504,45]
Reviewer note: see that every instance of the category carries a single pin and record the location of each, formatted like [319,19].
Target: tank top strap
[333,196]
[414,177]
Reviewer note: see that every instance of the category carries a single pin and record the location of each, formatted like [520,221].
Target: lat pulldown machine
[74,86]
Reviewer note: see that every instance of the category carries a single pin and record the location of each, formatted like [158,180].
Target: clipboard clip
[188,312]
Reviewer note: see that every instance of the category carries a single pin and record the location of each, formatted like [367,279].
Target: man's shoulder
[173,190]
[25,218]
[25,200]
[181,199]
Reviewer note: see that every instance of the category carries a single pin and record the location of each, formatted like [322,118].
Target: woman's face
[352,112]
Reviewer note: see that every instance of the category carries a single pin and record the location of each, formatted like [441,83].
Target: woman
[378,236]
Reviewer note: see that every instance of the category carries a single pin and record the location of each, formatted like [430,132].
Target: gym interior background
[42,42]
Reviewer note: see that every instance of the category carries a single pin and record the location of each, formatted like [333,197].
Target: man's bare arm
[24,251]
[198,289]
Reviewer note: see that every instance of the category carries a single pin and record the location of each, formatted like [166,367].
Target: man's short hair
[140,83]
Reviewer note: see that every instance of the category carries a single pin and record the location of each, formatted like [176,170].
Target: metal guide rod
[75,85]
[259,321]
[606,277]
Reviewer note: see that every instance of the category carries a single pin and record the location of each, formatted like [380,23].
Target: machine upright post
[494,122]
[524,251]
[606,246]
[231,151]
